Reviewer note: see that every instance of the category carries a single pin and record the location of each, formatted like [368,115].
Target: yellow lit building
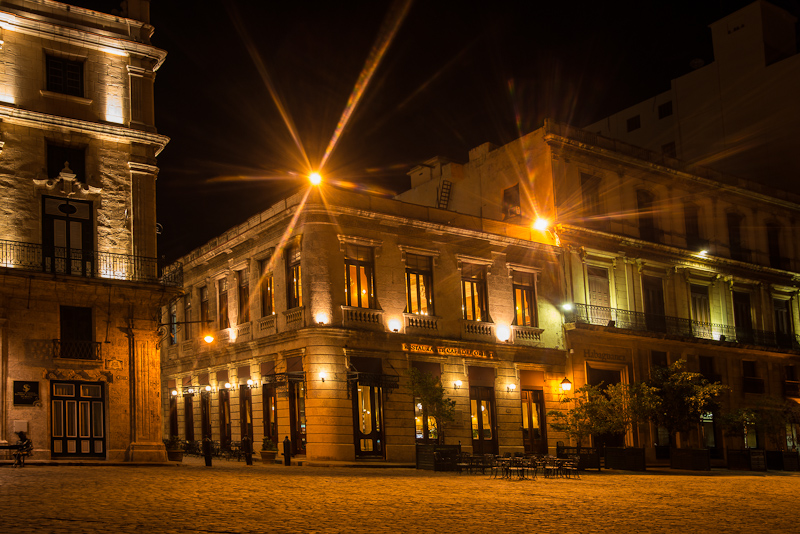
[80,283]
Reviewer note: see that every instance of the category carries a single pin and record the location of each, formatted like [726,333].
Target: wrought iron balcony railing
[678,326]
[76,350]
[87,263]
[791,388]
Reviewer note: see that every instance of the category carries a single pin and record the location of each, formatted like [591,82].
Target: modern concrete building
[79,282]
[739,114]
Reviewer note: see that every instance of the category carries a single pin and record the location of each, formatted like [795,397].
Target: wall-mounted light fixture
[457,384]
[174,392]
[503,333]
[322,318]
[511,387]
[566,385]
[322,375]
[567,306]
[162,328]
[394,325]
[251,384]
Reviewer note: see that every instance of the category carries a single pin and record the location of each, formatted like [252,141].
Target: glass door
[484,430]
[78,419]
[297,416]
[270,414]
[368,420]
[534,428]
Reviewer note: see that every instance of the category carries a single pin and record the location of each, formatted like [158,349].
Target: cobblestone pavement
[231,497]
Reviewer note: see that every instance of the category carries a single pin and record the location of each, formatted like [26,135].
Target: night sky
[456,75]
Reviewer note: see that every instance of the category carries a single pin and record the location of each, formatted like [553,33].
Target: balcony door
[67,236]
[599,295]
[653,290]
[742,317]
[534,429]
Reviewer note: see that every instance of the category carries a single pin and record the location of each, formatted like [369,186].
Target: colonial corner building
[79,283]
[566,254]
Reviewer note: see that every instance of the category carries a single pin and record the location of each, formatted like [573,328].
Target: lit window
[359,276]
[243,278]
[473,292]
[267,283]
[419,285]
[222,301]
[294,297]
[524,285]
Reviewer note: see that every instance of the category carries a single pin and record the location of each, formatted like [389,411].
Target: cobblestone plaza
[231,497]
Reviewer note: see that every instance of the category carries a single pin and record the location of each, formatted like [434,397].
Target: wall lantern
[567,306]
[208,338]
[457,384]
[208,389]
[321,318]
[566,385]
[511,387]
[322,375]
[174,392]
[394,325]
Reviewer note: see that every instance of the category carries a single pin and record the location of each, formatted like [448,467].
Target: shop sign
[607,354]
[447,351]
[26,393]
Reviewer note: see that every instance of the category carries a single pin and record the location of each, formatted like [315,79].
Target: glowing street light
[315,178]
[541,225]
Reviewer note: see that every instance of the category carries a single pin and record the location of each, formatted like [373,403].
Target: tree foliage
[428,390]
[630,405]
[682,397]
[587,411]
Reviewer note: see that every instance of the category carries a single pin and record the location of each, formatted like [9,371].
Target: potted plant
[682,397]
[630,405]
[427,390]
[174,447]
[585,413]
[268,450]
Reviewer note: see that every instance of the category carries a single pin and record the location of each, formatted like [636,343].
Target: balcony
[791,388]
[678,326]
[76,350]
[363,318]
[33,257]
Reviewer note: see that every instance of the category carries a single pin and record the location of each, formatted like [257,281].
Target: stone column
[3,380]
[145,399]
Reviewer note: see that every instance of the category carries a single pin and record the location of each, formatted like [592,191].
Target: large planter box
[175,455]
[627,458]
[747,460]
[791,461]
[690,459]
[774,460]
[438,457]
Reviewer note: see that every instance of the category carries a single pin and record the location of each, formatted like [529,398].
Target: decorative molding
[69,186]
[407,249]
[360,241]
[111,132]
[522,269]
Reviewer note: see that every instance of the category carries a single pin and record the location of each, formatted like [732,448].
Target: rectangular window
[738,251]
[751,382]
[776,261]
[294,280]
[267,284]
[419,285]
[511,206]
[524,285]
[64,76]
[473,292]
[205,314]
[222,303]
[187,317]
[701,312]
[665,109]
[173,323]
[359,276]
[77,333]
[707,368]
[590,194]
[243,277]
[634,123]
[691,220]
[646,213]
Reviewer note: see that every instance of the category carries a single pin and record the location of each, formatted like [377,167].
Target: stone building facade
[80,287]
[661,260]
[319,307]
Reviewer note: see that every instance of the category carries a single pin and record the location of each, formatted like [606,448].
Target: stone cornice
[69,33]
[114,133]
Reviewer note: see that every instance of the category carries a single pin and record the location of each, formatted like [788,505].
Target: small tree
[682,398]
[586,412]
[735,424]
[428,391]
[630,405]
